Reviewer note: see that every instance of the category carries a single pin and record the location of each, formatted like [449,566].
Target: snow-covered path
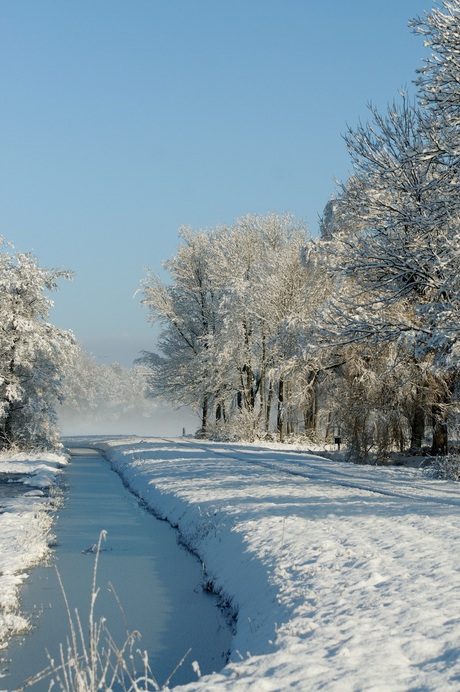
[337,586]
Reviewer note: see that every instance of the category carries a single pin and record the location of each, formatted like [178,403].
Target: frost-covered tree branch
[33,352]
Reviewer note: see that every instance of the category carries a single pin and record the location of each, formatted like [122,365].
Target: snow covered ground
[343,577]
[25,524]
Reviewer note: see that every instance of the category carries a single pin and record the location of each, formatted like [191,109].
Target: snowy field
[25,524]
[343,577]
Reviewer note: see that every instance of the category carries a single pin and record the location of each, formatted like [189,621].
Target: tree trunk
[310,413]
[279,423]
[247,369]
[268,406]
[417,428]
[262,388]
[220,411]
[204,417]
[6,431]
[250,399]
[439,445]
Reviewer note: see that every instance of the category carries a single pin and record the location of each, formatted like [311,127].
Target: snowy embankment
[335,586]
[25,523]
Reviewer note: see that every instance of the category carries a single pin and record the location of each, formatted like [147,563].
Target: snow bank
[25,523]
[336,587]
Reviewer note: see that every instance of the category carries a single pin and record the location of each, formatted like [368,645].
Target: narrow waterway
[156,581]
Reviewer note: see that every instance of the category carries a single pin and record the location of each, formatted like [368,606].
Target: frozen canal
[157,582]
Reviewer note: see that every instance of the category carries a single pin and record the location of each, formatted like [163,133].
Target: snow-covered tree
[404,238]
[400,245]
[288,293]
[438,79]
[241,316]
[187,312]
[239,319]
[33,353]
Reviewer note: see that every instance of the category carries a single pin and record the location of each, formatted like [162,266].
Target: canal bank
[157,582]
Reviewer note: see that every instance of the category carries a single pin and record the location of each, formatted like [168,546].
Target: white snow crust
[343,577]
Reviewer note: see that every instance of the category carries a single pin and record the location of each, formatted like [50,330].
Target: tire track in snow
[311,471]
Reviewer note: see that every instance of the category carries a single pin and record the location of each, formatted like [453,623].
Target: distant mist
[162,421]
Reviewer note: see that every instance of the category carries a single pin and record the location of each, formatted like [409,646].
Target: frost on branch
[32,352]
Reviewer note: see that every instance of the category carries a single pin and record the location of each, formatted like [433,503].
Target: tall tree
[32,352]
[401,246]
[186,310]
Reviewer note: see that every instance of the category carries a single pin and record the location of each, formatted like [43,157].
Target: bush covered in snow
[446,467]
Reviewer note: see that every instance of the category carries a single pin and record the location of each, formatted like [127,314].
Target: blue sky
[122,120]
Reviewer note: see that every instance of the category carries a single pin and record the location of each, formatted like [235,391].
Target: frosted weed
[91,662]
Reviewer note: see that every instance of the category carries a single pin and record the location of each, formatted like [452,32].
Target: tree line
[267,331]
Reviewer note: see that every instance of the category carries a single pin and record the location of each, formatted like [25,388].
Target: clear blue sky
[121,120]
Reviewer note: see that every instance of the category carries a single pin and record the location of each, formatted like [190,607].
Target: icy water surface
[156,581]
